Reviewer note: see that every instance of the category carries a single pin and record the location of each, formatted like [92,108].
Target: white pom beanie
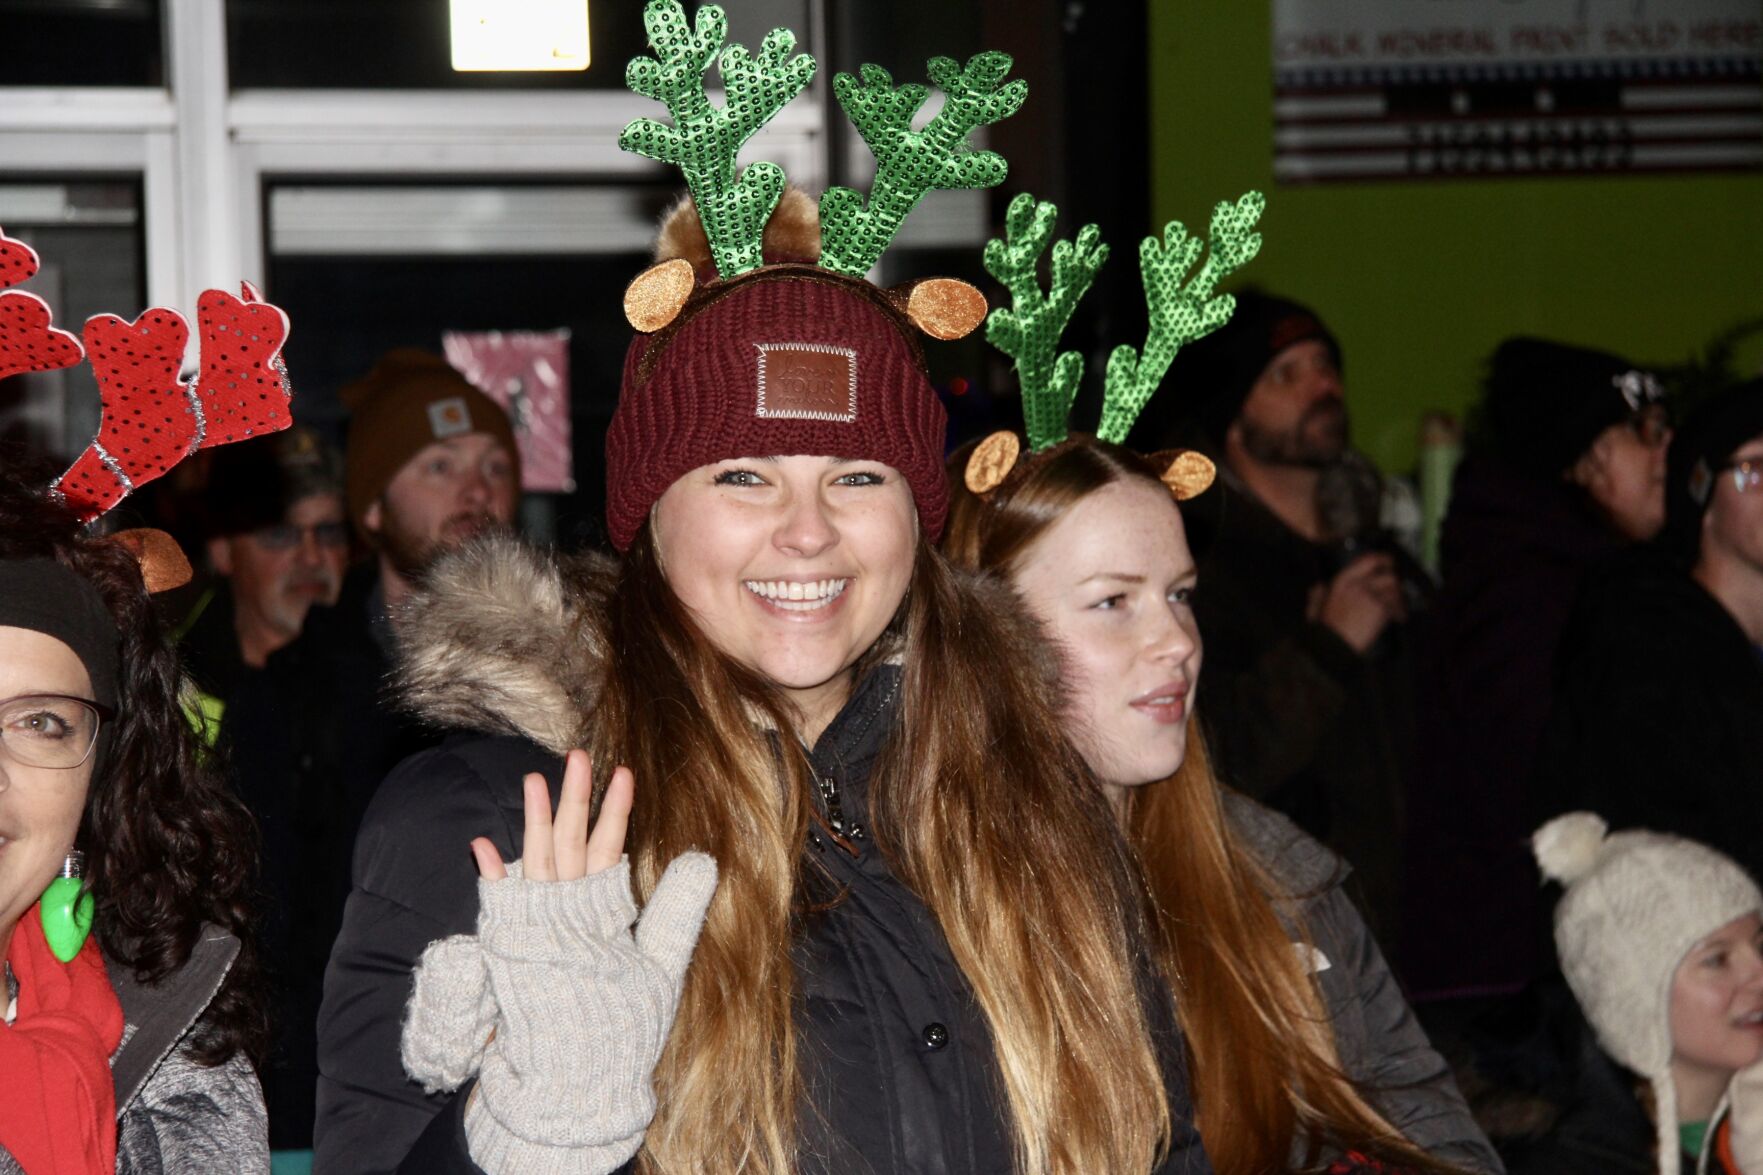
[1635,904]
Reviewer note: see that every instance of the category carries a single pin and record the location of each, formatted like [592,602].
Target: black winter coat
[1659,719]
[1515,549]
[309,739]
[1296,718]
[899,1064]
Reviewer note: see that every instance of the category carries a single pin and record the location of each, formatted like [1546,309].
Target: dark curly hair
[168,846]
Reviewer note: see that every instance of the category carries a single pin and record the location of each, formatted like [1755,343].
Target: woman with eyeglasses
[132,1015]
[1565,469]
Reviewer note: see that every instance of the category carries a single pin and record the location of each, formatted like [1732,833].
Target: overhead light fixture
[520,34]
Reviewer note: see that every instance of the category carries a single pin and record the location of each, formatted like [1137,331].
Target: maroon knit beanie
[782,361]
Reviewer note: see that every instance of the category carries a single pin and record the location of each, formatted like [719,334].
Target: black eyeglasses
[286,536]
[56,731]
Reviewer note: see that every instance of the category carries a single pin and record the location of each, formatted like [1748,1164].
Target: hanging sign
[1397,89]
[527,372]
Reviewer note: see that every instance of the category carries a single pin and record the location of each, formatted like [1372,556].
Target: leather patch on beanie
[449,418]
[807,381]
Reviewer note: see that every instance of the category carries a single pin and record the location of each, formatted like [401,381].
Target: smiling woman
[887,920]
[796,563]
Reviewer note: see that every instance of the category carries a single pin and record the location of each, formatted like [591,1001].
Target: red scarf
[58,1115]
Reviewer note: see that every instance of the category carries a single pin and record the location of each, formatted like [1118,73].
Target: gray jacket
[173,1115]
[1381,1045]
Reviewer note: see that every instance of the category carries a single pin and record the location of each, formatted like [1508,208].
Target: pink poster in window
[527,372]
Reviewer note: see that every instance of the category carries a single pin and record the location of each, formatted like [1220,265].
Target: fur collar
[495,641]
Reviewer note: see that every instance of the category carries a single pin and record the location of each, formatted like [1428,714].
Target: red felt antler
[27,341]
[150,419]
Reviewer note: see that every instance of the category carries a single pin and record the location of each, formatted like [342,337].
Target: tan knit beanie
[410,400]
[1634,906]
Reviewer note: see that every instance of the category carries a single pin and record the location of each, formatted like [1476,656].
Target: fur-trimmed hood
[495,641]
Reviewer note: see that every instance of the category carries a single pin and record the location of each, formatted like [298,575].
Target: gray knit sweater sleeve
[581,996]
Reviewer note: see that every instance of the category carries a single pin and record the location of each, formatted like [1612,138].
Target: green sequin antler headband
[911,163]
[734,206]
[705,139]
[1029,329]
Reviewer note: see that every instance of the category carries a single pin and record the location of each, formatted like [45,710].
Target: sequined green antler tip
[1179,313]
[705,139]
[1028,330]
[911,163]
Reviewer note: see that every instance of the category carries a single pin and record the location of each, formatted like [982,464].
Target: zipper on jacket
[832,821]
[835,810]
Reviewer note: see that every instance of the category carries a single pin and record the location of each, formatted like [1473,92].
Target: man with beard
[1302,596]
[277,544]
[431,462]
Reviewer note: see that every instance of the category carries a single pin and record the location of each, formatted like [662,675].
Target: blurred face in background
[1732,529]
[278,572]
[1624,473]
[1112,580]
[451,491]
[1295,414]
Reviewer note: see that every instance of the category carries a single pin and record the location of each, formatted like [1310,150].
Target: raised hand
[563,849]
[564,997]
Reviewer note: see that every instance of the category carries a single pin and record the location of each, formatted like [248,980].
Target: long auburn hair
[1264,1070]
[1017,857]
[168,846]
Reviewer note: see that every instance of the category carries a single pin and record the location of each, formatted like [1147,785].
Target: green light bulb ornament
[65,910]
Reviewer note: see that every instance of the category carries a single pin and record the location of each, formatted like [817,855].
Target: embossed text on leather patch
[807,381]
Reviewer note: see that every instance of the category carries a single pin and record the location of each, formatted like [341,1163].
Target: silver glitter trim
[111,463]
[193,395]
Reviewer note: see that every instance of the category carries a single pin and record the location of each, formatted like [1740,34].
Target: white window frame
[205,153]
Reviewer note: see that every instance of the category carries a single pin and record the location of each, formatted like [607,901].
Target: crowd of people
[860,810]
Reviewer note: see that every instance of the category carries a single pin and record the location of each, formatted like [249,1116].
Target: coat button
[935,1036]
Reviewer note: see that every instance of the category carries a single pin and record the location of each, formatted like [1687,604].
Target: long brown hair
[1004,850]
[1264,1070]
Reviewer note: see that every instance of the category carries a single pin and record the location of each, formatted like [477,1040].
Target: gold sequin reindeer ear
[944,308]
[991,462]
[1187,474]
[655,297]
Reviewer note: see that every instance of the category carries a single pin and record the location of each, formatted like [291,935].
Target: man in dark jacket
[431,462]
[1302,597]
[278,545]
[1566,467]
[1659,720]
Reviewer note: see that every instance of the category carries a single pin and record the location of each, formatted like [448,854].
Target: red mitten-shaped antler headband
[150,418]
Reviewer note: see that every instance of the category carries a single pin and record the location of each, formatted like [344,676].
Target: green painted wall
[1420,280]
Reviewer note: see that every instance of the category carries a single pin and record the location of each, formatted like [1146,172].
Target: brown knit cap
[782,361]
[411,399]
